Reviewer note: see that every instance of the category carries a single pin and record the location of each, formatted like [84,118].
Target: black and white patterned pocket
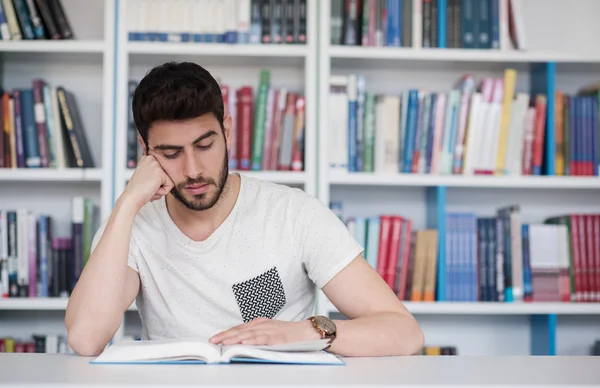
[261,296]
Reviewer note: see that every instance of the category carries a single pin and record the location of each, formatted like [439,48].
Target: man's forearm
[95,307]
[381,334]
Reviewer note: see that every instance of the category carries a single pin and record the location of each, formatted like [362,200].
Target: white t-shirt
[264,260]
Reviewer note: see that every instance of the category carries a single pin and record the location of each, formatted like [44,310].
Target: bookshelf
[550,62]
[292,66]
[84,66]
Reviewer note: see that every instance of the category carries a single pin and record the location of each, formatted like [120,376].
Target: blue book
[30,135]
[411,129]
[373,225]
[200,351]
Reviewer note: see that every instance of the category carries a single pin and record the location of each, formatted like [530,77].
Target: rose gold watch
[326,328]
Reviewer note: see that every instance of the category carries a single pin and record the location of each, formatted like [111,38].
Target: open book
[200,350]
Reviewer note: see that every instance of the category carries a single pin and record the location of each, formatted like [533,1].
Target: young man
[224,256]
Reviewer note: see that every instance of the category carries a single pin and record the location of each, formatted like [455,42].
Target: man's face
[193,153]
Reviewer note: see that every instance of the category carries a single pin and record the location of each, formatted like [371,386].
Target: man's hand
[264,331]
[148,183]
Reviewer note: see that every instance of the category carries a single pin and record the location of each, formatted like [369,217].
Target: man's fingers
[236,339]
[238,329]
[259,339]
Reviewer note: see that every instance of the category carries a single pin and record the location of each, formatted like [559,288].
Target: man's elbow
[415,337]
[84,344]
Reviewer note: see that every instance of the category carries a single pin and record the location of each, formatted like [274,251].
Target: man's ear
[227,124]
[144,149]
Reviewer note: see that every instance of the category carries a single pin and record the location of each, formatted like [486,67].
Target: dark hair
[175,91]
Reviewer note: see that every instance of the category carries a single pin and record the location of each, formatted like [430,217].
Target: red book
[392,260]
[298,140]
[384,244]
[279,109]
[596,250]
[580,283]
[590,268]
[244,126]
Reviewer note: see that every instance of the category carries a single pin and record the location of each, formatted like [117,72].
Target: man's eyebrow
[176,147]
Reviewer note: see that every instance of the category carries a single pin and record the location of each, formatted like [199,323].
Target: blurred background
[456,139]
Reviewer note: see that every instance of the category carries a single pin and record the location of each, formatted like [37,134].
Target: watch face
[326,325]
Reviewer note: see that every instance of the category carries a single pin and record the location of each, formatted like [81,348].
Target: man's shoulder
[276,196]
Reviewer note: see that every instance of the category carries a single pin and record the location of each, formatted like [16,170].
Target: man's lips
[197,188]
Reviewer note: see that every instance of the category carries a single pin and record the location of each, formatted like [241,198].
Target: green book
[260,113]
[369,133]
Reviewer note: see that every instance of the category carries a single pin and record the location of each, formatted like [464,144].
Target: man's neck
[199,225]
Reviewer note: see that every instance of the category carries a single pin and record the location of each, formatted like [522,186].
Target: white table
[48,370]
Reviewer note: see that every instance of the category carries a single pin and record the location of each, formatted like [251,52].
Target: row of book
[37,343]
[495,258]
[469,24]
[42,127]
[437,350]
[268,126]
[487,129]
[34,260]
[34,19]
[218,21]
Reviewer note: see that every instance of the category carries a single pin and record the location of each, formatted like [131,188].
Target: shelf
[219,53]
[34,304]
[461,55]
[283,177]
[40,304]
[497,308]
[50,174]
[53,46]
[481,181]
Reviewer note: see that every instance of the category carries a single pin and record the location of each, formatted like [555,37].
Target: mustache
[198,180]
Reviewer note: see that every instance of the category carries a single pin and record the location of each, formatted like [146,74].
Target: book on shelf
[42,127]
[36,343]
[485,129]
[34,20]
[467,24]
[201,351]
[437,350]
[268,127]
[488,258]
[218,21]
[37,262]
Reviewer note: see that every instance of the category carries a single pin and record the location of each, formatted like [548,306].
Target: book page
[161,350]
[254,354]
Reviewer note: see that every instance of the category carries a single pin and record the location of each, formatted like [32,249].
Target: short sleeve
[134,251]
[327,245]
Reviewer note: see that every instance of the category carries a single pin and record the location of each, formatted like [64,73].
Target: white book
[201,351]
[473,139]
[338,122]
[516,134]
[391,133]
[417,17]
[243,20]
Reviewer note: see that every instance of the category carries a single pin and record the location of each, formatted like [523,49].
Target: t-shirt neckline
[184,239]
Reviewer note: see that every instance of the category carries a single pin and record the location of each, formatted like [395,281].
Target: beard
[206,200]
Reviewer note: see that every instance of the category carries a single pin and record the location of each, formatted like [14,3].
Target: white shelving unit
[84,66]
[475,327]
[291,66]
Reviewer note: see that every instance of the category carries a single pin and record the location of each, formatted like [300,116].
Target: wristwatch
[326,328]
